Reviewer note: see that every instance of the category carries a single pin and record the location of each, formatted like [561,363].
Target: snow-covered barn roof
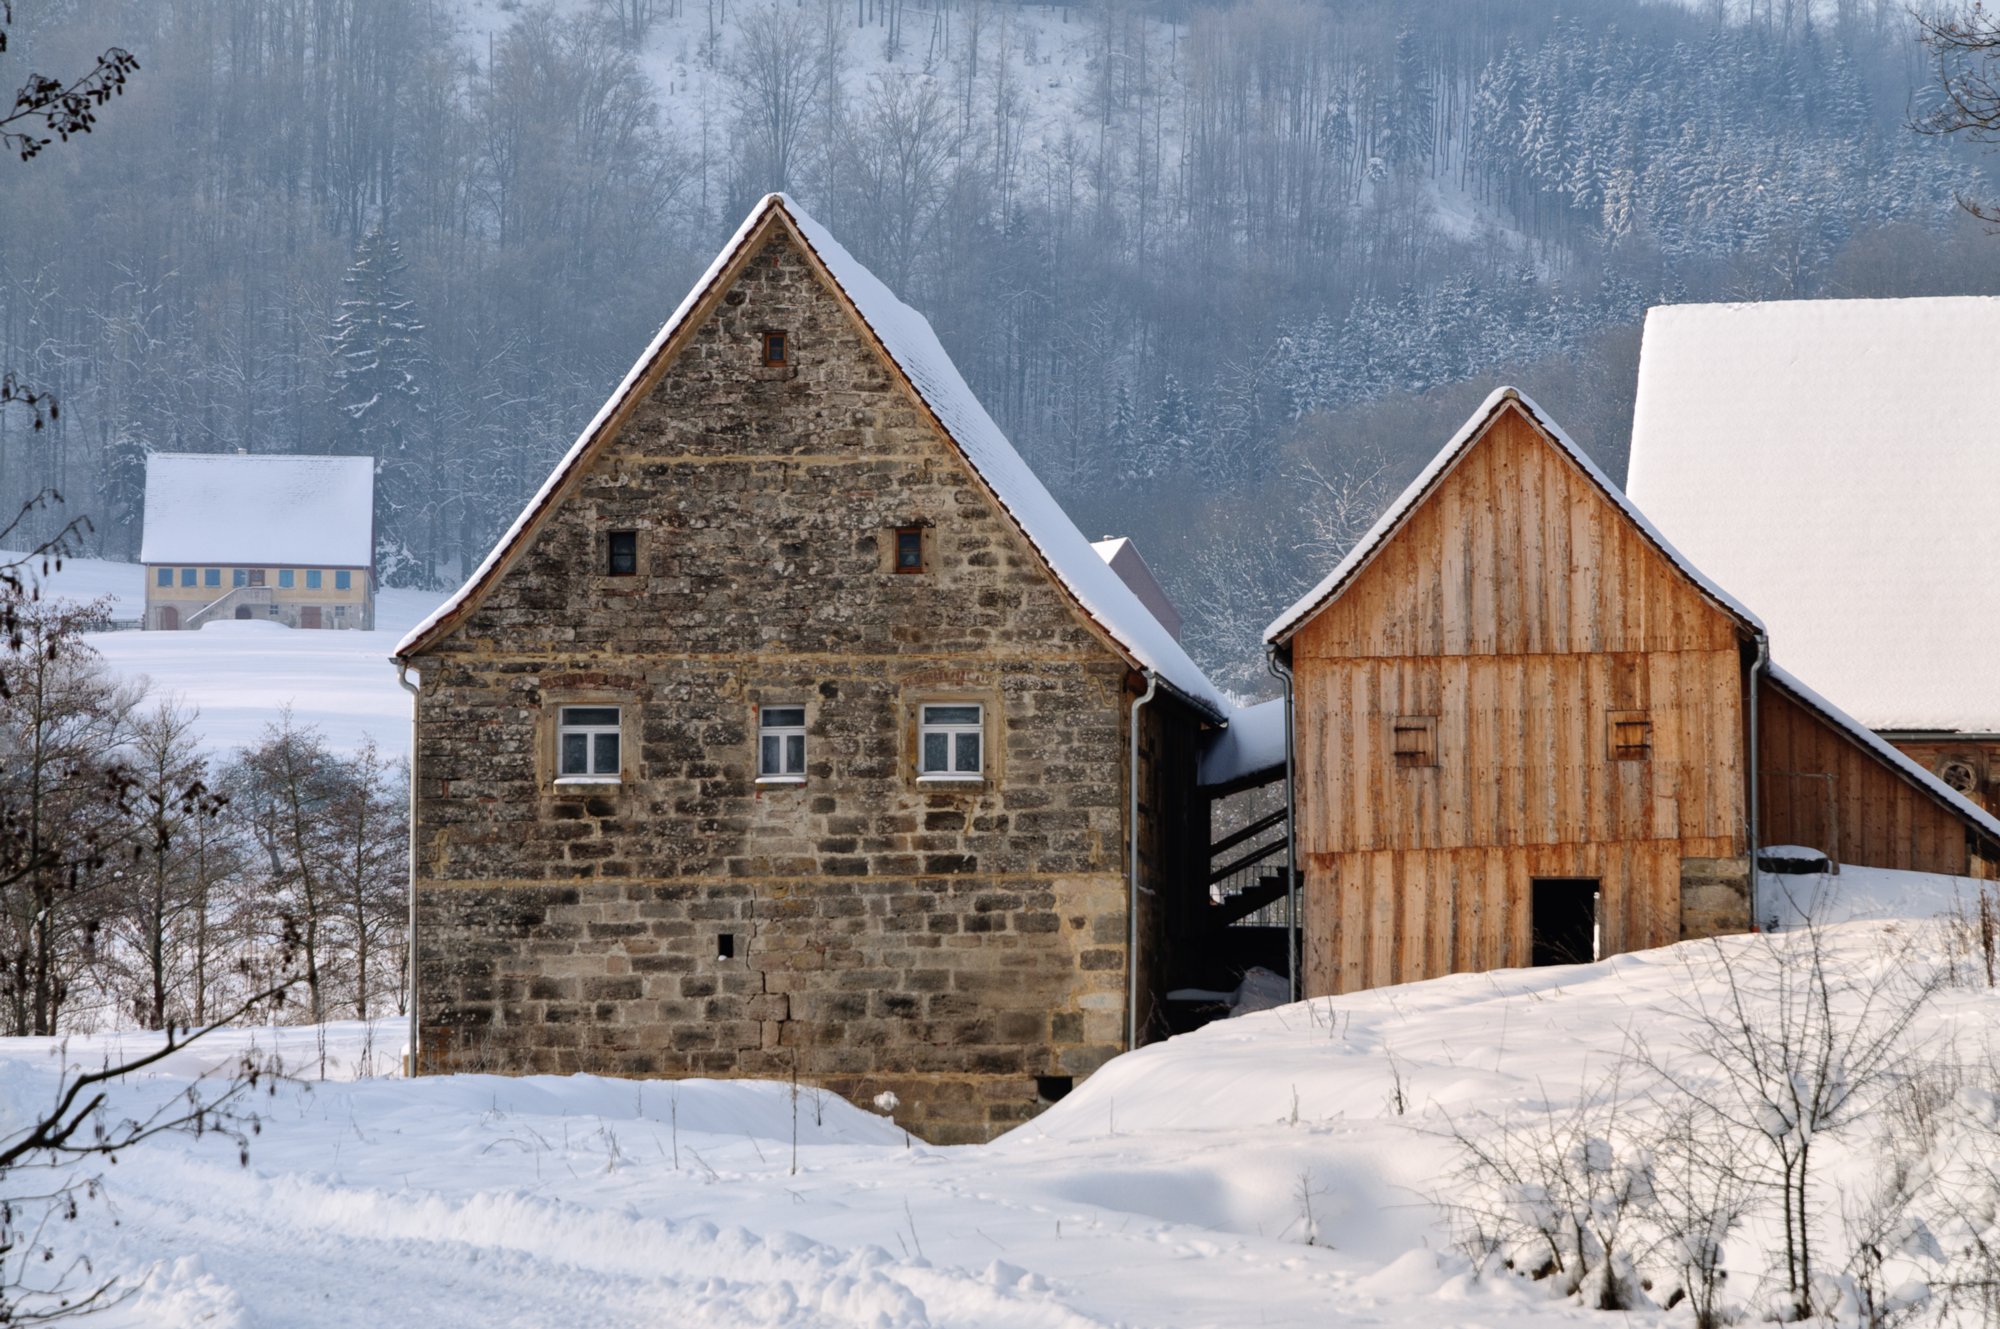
[907,339]
[232,509]
[1365,548]
[1834,461]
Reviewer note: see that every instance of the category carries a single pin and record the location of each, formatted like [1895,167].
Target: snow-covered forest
[1191,256]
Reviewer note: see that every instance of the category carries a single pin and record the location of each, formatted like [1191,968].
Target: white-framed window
[587,743]
[781,744]
[951,741]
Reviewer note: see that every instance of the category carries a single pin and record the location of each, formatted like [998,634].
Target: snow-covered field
[242,675]
[1169,1189]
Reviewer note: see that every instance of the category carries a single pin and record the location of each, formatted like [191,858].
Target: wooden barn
[1527,731]
[1832,462]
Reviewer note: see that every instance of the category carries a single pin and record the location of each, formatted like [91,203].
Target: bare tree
[1966,51]
[780,74]
[1696,1207]
[163,914]
[64,798]
[369,828]
[1559,1194]
[48,106]
[286,788]
[1786,1049]
[895,162]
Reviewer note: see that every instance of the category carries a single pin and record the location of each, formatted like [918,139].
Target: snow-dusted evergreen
[378,389]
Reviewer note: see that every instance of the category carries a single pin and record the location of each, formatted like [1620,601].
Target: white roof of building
[1253,744]
[228,508]
[907,338]
[1835,462]
[1125,559]
[1364,549]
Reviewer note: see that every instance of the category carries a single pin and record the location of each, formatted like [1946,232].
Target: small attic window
[777,350]
[622,553]
[910,549]
[1631,736]
[1414,740]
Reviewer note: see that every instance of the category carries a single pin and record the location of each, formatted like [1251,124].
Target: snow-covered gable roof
[1474,428]
[906,337]
[1253,744]
[1875,743]
[1834,461]
[268,510]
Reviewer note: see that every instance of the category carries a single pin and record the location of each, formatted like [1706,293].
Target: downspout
[1758,667]
[1132,883]
[1284,673]
[410,976]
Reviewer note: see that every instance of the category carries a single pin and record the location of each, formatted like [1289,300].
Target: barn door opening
[1565,920]
[309,616]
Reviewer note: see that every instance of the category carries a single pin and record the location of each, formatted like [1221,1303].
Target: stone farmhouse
[1527,730]
[1834,460]
[794,729]
[269,539]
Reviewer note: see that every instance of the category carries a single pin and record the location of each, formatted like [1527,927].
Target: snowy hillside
[242,675]
[1280,1169]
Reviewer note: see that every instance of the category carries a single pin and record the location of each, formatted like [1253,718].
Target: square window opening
[725,946]
[187,576]
[343,581]
[1631,736]
[951,740]
[286,577]
[910,549]
[781,741]
[587,742]
[240,577]
[1414,740]
[621,553]
[163,577]
[777,350]
[211,576]
[312,579]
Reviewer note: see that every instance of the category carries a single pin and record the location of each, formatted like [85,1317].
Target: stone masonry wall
[948,943]
[1715,897]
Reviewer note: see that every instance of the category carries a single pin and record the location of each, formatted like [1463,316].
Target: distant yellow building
[270,539]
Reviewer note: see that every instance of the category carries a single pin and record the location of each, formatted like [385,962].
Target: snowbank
[1282,1168]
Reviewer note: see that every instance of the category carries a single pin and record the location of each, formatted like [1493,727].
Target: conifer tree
[378,390]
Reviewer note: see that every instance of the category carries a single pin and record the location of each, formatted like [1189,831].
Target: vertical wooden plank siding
[1518,605]
[1879,818]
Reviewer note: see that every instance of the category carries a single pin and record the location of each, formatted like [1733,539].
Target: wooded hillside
[1225,272]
